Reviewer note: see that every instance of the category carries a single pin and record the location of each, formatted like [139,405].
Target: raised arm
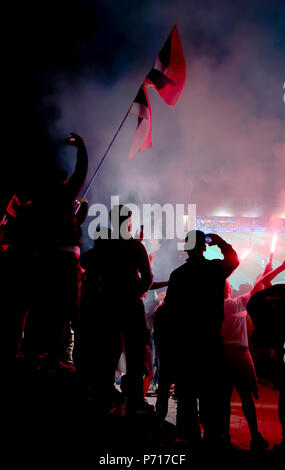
[159,284]
[76,181]
[83,211]
[267,278]
[230,261]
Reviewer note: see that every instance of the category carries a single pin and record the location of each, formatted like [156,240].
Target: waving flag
[141,109]
[168,73]
[167,77]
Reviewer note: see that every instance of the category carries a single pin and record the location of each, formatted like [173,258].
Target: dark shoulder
[215,263]
[180,271]
[87,255]
[137,245]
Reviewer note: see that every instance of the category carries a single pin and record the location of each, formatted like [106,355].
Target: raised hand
[268,268]
[215,239]
[74,140]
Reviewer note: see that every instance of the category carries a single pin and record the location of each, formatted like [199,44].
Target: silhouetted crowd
[69,313]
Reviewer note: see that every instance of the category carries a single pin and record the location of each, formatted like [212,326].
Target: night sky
[77,66]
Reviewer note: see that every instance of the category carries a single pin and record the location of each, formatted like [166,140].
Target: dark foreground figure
[52,422]
[267,311]
[118,274]
[195,304]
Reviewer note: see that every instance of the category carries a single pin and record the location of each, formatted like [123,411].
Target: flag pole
[105,155]
[110,145]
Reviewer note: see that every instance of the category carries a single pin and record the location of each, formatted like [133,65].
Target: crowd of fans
[73,313]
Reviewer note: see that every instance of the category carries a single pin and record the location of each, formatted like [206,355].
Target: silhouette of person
[57,293]
[120,269]
[266,309]
[150,316]
[195,301]
[164,341]
[148,367]
[16,267]
[240,371]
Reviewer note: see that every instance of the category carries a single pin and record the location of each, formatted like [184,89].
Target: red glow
[273,243]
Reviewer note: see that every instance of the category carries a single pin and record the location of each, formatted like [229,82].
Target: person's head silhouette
[195,244]
[121,220]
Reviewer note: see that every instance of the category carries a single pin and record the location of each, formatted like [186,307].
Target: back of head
[121,219]
[195,243]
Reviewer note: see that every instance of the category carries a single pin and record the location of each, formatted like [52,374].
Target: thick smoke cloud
[222,146]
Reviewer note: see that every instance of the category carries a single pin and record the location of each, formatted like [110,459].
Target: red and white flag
[141,109]
[168,73]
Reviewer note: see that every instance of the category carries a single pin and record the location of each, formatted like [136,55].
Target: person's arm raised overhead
[83,211]
[263,281]
[230,261]
[76,181]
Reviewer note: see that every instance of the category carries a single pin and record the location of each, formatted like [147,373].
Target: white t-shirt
[234,328]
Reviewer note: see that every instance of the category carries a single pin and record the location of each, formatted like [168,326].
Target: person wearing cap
[195,300]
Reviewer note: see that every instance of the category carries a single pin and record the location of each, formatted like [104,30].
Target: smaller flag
[141,109]
[168,73]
